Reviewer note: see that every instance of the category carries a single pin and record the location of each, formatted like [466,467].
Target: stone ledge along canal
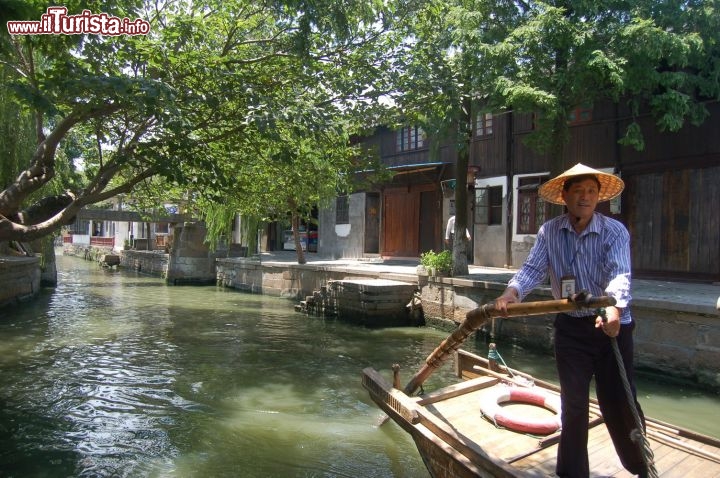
[115,374]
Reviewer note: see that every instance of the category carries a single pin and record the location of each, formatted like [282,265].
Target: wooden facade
[670,203]
[411,213]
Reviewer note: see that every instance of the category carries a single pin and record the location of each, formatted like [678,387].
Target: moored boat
[499,422]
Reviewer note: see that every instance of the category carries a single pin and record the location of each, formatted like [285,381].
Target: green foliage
[439,262]
[272,120]
[253,105]
[230,102]
[17,134]
[218,219]
[661,56]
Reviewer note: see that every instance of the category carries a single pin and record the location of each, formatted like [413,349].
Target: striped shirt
[599,258]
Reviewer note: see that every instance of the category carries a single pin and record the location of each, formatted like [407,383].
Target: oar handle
[579,301]
[477,317]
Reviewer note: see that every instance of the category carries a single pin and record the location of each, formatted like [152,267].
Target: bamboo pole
[475,318]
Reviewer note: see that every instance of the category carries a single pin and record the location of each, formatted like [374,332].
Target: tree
[439,87]
[297,173]
[281,97]
[193,102]
[465,57]
[660,56]
[85,92]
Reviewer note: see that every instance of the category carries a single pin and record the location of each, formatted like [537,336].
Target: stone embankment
[19,279]
[677,332]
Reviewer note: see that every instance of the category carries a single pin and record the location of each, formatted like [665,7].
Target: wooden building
[672,186]
[670,204]
[411,217]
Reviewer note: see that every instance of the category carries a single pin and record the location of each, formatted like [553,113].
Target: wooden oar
[475,318]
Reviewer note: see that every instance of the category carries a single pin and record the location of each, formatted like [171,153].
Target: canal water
[114,374]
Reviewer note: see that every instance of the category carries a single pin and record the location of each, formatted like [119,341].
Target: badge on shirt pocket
[567,286]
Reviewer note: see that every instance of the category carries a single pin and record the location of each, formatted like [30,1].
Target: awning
[410,168]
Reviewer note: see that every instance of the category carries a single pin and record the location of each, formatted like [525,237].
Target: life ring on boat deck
[490,408]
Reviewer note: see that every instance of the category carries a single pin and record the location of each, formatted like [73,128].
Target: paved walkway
[679,296]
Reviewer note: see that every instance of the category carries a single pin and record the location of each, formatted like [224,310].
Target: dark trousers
[581,352]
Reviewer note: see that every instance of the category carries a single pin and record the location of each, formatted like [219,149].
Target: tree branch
[50,214]
[42,166]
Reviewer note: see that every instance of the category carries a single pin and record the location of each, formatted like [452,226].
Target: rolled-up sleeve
[618,267]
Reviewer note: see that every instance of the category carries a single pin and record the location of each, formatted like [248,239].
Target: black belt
[587,318]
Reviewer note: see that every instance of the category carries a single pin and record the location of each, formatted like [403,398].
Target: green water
[116,374]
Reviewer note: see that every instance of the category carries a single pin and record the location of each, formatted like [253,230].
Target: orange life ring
[490,408]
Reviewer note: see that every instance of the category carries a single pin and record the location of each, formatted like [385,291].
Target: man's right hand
[510,296]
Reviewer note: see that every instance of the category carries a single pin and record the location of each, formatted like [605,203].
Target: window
[79,227]
[484,124]
[488,205]
[342,210]
[581,114]
[524,122]
[532,211]
[411,137]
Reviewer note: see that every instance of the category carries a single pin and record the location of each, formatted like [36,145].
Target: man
[585,250]
[450,233]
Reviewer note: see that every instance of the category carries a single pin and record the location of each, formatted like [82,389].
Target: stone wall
[361,297]
[492,252]
[370,302]
[240,273]
[521,250]
[688,344]
[147,262]
[292,281]
[190,261]
[90,253]
[446,300]
[344,240]
[19,279]
[668,341]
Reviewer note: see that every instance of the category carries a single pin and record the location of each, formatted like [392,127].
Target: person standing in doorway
[585,250]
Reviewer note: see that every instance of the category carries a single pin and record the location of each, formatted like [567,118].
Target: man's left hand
[611,327]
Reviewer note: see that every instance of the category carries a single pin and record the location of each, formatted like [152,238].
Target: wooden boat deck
[455,439]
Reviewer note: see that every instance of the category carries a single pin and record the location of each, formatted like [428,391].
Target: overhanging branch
[36,223]
[42,167]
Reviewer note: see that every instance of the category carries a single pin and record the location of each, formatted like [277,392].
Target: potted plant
[437,263]
[444,263]
[426,262]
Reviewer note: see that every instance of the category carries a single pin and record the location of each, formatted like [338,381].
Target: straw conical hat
[610,185]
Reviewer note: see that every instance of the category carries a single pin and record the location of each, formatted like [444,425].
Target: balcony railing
[102,241]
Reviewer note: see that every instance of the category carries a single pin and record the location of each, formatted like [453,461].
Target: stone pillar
[19,279]
[191,261]
[49,264]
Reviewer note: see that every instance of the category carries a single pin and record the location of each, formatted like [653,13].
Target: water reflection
[115,374]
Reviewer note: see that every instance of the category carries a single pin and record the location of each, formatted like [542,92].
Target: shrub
[439,262]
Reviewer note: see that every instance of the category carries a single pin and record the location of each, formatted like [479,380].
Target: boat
[495,421]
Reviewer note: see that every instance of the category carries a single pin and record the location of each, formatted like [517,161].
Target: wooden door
[401,223]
